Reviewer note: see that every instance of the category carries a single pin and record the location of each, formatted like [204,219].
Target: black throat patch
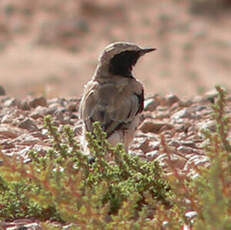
[122,63]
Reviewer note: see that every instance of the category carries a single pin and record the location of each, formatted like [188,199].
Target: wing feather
[113,108]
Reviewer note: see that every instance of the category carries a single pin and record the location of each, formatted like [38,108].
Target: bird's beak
[146,50]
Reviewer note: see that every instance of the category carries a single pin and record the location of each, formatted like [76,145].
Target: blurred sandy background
[51,47]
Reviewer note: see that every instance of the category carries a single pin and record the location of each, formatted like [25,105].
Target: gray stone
[31,226]
[150,104]
[174,143]
[59,115]
[191,214]
[38,101]
[41,149]
[10,102]
[171,99]
[58,101]
[39,111]
[154,127]
[28,140]
[28,124]
[154,145]
[189,144]
[70,227]
[2,91]
[24,105]
[7,144]
[207,125]
[184,113]
[196,160]
[152,155]
[6,118]
[161,158]
[9,131]
[45,132]
[185,149]
[200,108]
[39,135]
[211,94]
[23,153]
[144,146]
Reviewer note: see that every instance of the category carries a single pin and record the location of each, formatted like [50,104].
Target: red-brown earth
[51,47]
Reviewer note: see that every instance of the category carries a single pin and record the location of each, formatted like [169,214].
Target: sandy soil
[51,49]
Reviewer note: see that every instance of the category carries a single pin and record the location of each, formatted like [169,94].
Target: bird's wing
[114,108]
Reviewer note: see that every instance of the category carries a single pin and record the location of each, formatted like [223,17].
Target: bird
[113,96]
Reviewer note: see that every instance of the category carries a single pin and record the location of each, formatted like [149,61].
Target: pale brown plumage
[113,96]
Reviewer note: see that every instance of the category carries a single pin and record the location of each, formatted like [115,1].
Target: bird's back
[114,103]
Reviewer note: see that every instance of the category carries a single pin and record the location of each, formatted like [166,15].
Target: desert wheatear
[113,96]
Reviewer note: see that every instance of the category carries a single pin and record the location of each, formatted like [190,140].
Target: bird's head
[118,58]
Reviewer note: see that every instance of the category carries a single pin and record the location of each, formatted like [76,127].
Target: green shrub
[64,186]
[209,192]
[117,190]
[212,188]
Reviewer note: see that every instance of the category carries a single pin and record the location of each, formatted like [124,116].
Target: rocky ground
[179,122]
